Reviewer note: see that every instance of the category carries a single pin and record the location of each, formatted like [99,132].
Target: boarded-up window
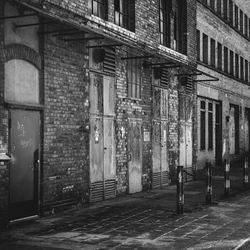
[219,56]
[202,125]
[125,14]
[237,65]
[205,48]
[212,52]
[134,78]
[210,126]
[21,82]
[231,63]
[225,59]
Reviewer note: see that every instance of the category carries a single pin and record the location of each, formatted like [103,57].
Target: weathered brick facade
[65,72]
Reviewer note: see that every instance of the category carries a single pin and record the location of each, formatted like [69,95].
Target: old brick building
[223,45]
[96,99]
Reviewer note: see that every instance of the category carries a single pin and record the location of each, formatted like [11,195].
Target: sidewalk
[144,220]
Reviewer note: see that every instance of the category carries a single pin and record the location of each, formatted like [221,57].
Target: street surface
[140,221]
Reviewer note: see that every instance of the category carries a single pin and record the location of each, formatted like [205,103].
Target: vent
[165,178]
[96,192]
[109,61]
[164,77]
[110,188]
[156,181]
[187,83]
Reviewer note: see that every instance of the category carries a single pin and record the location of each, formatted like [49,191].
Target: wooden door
[24,169]
[135,156]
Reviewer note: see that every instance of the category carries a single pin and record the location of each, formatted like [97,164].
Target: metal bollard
[245,172]
[226,178]
[180,190]
[209,183]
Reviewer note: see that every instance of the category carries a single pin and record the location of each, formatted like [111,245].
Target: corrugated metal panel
[156,180]
[109,61]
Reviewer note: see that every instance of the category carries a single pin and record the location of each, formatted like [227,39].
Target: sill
[26,106]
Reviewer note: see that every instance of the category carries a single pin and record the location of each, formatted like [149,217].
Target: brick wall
[66,144]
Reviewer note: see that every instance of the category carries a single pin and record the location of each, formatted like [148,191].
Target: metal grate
[109,61]
[110,188]
[96,192]
[156,181]
[164,178]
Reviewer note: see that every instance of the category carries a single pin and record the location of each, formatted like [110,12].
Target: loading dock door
[102,142]
[24,169]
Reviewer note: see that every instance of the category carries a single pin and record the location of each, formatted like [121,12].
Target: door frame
[38,108]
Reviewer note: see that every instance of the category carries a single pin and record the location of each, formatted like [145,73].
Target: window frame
[101,8]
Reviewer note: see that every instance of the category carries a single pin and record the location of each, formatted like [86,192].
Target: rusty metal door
[186,126]
[135,156]
[24,169]
[159,137]
[102,141]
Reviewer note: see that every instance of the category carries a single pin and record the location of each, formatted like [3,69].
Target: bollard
[209,183]
[180,190]
[245,172]
[226,178]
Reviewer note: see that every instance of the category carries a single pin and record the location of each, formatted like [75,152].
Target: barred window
[125,14]
[134,78]
[100,8]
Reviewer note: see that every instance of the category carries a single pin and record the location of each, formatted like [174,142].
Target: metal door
[186,144]
[135,156]
[24,169]
[102,142]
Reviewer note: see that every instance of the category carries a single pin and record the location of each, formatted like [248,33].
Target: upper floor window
[100,8]
[134,78]
[125,14]
[173,20]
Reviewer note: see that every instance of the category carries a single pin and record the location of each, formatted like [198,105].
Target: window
[246,70]
[241,68]
[205,48]
[236,16]
[225,9]
[246,25]
[100,8]
[219,55]
[231,63]
[219,7]
[237,65]
[241,21]
[173,36]
[134,78]
[212,52]
[210,126]
[203,125]
[231,20]
[225,59]
[212,4]
[198,44]
[125,14]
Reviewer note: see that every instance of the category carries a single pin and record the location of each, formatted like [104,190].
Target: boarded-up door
[159,138]
[186,145]
[24,169]
[135,156]
[102,142]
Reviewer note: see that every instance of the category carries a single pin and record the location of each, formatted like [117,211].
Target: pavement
[145,220]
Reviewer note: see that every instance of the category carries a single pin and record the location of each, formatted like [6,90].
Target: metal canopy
[104,45]
[136,57]
[18,16]
[83,39]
